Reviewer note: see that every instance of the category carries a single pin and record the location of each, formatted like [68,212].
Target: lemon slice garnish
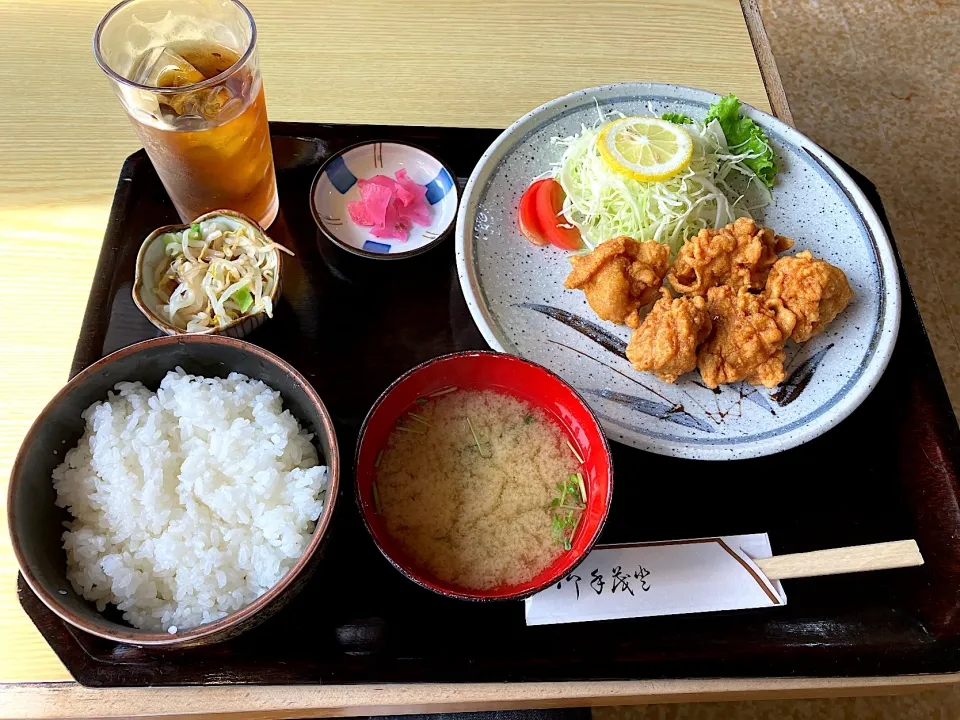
[645,148]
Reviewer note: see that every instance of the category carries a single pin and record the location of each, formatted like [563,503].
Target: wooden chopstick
[857,558]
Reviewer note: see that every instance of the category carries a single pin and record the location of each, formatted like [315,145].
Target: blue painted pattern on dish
[340,176]
[371,246]
[438,188]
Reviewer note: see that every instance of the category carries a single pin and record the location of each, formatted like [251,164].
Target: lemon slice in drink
[645,148]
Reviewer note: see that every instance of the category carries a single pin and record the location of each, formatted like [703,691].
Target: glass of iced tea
[188,74]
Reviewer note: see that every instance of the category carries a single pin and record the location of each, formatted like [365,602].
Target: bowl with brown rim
[35,521]
[152,255]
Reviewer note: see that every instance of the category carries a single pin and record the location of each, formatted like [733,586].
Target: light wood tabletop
[479,63]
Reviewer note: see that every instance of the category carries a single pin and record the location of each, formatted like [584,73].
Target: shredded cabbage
[604,204]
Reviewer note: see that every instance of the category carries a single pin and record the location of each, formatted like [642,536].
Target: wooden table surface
[63,138]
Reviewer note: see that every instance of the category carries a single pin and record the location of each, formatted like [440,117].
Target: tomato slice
[555,227]
[527,219]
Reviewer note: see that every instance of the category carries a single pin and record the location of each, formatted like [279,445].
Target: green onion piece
[244,298]
[476,439]
[411,430]
[565,523]
[195,228]
[376,463]
[574,451]
[420,419]
[171,243]
[376,499]
[676,118]
[442,391]
[528,419]
[422,401]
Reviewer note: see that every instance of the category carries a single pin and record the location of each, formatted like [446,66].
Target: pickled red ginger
[390,205]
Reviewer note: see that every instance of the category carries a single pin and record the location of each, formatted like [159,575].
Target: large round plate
[516,295]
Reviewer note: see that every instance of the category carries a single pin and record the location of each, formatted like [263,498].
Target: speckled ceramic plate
[516,295]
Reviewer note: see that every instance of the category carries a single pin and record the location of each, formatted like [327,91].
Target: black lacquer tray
[352,325]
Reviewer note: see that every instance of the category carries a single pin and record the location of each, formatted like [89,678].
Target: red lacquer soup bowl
[476,370]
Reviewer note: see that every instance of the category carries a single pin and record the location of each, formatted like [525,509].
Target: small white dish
[336,184]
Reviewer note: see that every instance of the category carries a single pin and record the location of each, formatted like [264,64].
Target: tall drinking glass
[188,75]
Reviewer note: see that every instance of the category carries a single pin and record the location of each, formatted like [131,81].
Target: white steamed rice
[189,502]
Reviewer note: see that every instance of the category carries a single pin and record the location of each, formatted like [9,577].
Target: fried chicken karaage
[739,305]
[747,339]
[666,341]
[812,289]
[619,277]
[739,255]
